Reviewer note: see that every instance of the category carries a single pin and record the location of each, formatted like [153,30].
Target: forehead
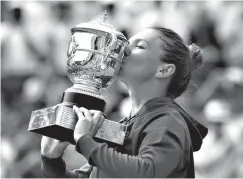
[150,35]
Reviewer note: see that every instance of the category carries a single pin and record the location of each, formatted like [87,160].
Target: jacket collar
[153,104]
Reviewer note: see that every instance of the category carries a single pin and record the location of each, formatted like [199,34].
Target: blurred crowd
[34,40]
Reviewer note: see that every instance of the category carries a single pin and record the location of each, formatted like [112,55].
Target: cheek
[139,66]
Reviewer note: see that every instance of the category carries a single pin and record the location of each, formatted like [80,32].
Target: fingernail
[82,109]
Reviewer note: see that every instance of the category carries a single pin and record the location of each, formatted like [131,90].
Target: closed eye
[139,46]
[139,43]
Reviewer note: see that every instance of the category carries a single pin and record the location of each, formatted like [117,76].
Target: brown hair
[185,58]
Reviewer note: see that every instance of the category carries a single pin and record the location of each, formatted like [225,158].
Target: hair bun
[196,57]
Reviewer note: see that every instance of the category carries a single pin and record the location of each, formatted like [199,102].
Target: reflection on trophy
[95,55]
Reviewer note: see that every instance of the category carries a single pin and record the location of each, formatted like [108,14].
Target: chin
[121,78]
[125,80]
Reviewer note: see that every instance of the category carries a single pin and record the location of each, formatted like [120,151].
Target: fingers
[94,111]
[96,114]
[79,112]
[98,124]
[98,117]
[64,144]
[87,114]
[94,117]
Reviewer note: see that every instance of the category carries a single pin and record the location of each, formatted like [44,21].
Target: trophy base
[56,132]
[59,121]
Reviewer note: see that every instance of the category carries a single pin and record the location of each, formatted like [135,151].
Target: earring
[158,74]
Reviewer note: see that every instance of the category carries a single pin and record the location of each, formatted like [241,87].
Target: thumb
[98,125]
[64,144]
[78,112]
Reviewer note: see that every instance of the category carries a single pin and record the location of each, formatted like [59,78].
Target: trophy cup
[95,56]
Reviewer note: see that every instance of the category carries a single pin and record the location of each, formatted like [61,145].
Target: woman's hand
[89,122]
[52,148]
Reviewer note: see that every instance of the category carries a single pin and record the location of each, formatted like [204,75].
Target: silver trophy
[95,55]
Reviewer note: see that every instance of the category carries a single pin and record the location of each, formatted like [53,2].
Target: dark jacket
[160,144]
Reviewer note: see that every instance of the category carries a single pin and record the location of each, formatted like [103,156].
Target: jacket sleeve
[159,154]
[56,168]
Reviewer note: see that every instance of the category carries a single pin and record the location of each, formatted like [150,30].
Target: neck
[141,93]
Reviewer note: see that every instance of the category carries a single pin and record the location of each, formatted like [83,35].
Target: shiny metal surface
[91,57]
[42,117]
[95,54]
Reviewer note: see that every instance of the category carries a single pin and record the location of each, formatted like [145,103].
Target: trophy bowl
[95,55]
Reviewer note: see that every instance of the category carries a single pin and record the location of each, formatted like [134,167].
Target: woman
[162,136]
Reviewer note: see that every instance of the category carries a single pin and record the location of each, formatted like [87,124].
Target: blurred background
[34,40]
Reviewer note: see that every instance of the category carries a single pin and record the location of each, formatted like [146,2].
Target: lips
[124,60]
[122,64]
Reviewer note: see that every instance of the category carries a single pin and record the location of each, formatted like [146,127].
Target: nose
[127,51]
